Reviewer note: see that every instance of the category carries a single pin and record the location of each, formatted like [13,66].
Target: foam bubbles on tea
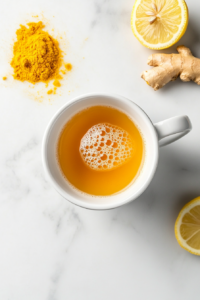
[106,146]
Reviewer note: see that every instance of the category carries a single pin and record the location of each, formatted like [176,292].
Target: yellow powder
[63,72]
[36,55]
[68,67]
[56,83]
[4,78]
[58,77]
[50,92]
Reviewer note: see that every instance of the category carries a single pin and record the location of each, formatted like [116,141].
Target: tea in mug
[100,151]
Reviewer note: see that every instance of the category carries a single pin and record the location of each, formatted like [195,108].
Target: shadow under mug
[155,135]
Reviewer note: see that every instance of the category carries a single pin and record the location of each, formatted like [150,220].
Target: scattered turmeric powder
[54,90]
[56,83]
[58,77]
[68,67]
[4,78]
[37,56]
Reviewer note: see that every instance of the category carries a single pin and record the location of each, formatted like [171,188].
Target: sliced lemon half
[187,227]
[159,24]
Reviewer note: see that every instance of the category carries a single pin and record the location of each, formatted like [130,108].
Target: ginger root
[167,67]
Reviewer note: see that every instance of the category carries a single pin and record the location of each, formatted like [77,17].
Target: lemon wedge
[187,227]
[159,24]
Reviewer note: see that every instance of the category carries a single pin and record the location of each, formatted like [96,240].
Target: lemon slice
[159,24]
[187,227]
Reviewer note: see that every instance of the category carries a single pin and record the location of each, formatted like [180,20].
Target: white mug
[155,135]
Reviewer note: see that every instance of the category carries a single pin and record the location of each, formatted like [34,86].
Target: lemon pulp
[187,227]
[159,24]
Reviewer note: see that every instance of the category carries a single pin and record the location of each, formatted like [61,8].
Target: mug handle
[172,129]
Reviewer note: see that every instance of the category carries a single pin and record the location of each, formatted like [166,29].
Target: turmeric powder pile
[37,56]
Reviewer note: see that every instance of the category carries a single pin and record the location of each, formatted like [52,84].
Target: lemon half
[159,24]
[187,227]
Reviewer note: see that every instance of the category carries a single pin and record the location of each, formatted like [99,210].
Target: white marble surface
[52,250]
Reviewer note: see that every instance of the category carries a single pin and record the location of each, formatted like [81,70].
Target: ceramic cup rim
[75,200]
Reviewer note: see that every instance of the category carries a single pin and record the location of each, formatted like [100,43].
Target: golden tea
[100,151]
